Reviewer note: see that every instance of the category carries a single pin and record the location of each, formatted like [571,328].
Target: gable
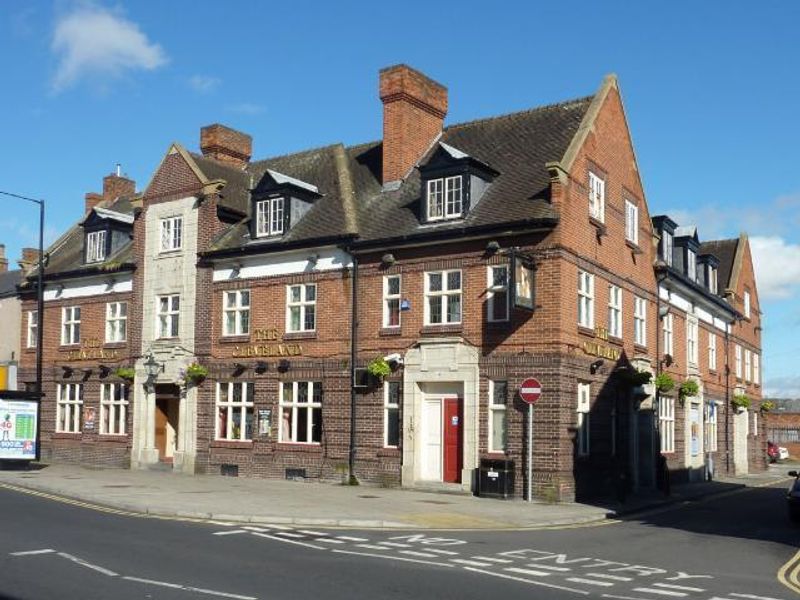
[174,177]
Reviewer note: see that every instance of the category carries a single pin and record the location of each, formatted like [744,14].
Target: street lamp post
[39,311]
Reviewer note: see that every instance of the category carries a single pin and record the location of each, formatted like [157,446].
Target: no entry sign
[530,390]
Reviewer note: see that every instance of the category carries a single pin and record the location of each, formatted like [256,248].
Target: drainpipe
[353,354]
[727,400]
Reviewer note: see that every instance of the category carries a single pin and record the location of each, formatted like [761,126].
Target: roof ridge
[308,151]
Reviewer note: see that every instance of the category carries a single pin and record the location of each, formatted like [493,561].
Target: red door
[452,440]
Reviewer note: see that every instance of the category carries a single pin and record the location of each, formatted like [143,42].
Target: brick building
[458,260]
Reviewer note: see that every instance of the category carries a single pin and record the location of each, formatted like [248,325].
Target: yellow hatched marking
[789,574]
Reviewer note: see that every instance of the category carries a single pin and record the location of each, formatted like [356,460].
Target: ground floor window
[584,404]
[301,412]
[391,414]
[666,422]
[235,411]
[711,426]
[498,396]
[113,409]
[69,405]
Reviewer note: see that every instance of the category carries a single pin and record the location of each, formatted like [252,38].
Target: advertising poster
[17,429]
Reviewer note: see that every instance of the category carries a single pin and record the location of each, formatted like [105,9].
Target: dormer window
[666,247]
[445,198]
[712,279]
[96,246]
[269,217]
[691,264]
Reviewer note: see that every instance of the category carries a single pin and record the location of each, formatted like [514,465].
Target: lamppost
[39,311]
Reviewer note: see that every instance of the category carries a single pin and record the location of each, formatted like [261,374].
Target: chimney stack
[414,107]
[3,259]
[226,145]
[30,258]
[114,186]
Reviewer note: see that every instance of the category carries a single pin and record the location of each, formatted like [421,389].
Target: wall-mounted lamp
[667,360]
[87,372]
[110,282]
[152,367]
[236,271]
[283,365]
[238,369]
[59,290]
[261,367]
[67,371]
[593,368]
[388,259]
[663,311]
[105,371]
[492,247]
[313,260]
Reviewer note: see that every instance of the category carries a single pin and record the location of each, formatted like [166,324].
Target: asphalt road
[725,548]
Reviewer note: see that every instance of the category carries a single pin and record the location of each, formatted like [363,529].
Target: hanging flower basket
[740,402]
[688,389]
[126,373]
[767,405]
[379,368]
[664,383]
[636,378]
[195,373]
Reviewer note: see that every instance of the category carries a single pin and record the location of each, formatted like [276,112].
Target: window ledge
[63,435]
[68,346]
[431,329]
[115,345]
[640,348]
[300,335]
[233,339]
[613,339]
[634,247]
[601,227]
[115,438]
[389,331]
[585,330]
[232,444]
[314,448]
[389,451]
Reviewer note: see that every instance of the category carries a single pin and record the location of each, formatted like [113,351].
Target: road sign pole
[530,452]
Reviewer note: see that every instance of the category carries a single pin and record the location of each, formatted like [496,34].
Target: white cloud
[247,108]
[92,41]
[204,83]
[782,387]
[777,266]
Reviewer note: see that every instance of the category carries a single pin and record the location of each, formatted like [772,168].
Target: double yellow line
[789,574]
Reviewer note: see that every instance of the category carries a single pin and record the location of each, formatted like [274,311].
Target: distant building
[10,319]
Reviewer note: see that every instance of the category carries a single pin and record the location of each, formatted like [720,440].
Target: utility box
[496,478]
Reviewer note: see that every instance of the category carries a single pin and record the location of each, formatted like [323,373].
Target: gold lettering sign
[267,350]
[601,333]
[596,349]
[266,335]
[93,354]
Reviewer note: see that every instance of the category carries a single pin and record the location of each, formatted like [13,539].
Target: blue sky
[710,88]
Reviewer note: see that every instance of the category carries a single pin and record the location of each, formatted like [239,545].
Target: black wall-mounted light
[67,371]
[492,247]
[595,366]
[105,371]
[152,367]
[388,259]
[261,367]
[238,369]
[283,365]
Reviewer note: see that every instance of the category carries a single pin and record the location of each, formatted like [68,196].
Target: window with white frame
[498,430]
[756,368]
[391,414]
[71,325]
[667,245]
[168,315]
[615,311]
[691,264]
[235,411]
[585,299]
[666,421]
[597,197]
[236,312]
[747,365]
[712,351]
[711,426]
[269,216]
[737,352]
[33,326]
[583,435]
[301,307]
[69,407]
[445,198]
[631,222]
[712,279]
[755,423]
[691,340]
[301,412]
[442,297]
[95,246]
[640,321]
[497,294]
[391,300]
[171,234]
[116,321]
[113,409]
[747,304]
[669,347]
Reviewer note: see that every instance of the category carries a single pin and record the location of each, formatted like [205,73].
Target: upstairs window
[169,310]
[442,297]
[614,311]
[585,300]
[445,198]
[171,234]
[712,352]
[640,321]
[668,342]
[691,265]
[236,312]
[33,325]
[597,197]
[95,246]
[70,325]
[738,360]
[747,304]
[116,321]
[301,307]
[756,369]
[269,217]
[667,244]
[747,365]
[631,222]
[391,301]
[497,294]
[712,279]
[691,340]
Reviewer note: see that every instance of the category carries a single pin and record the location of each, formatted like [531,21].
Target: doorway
[741,421]
[166,421]
[442,439]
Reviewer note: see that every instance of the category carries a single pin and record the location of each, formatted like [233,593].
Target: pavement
[279,502]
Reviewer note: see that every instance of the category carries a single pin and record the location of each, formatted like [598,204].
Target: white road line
[590,581]
[83,563]
[504,561]
[683,588]
[309,532]
[259,529]
[347,538]
[395,544]
[445,552]
[415,553]
[187,588]
[527,571]
[290,534]
[627,597]
[281,527]
[329,541]
[284,540]
[549,567]
[231,532]
[32,552]
[471,563]
[661,592]
[753,596]
[390,557]
[372,547]
[531,581]
[612,577]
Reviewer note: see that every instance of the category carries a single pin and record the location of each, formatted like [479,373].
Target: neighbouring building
[377,307]
[10,315]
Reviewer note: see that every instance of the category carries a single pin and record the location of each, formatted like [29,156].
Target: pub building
[371,311]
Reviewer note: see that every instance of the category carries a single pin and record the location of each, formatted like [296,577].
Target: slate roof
[725,251]
[236,193]
[8,283]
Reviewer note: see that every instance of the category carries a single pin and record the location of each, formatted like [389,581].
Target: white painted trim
[89,287]
[286,263]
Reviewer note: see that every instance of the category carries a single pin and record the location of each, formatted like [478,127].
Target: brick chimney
[3,259]
[30,258]
[114,186]
[414,107]
[226,145]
